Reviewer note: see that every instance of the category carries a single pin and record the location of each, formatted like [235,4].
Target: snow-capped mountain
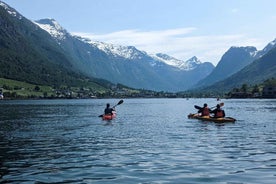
[190,64]
[126,64]
[127,52]
[119,64]
[235,59]
[30,54]
[58,32]
[233,63]
[10,10]
[53,28]
[266,49]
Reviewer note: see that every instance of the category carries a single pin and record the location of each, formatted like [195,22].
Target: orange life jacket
[205,112]
[219,114]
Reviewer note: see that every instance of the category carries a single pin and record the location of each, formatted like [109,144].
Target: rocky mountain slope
[29,54]
[126,64]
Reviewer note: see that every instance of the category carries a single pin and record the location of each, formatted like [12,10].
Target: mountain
[258,71]
[234,60]
[190,64]
[267,48]
[29,54]
[231,62]
[126,64]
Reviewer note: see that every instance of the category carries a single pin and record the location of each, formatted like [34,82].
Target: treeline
[267,89]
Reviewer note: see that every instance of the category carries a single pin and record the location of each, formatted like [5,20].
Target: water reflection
[151,141]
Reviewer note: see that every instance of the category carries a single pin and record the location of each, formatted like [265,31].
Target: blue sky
[179,28]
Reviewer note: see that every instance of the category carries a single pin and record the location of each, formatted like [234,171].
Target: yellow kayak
[208,118]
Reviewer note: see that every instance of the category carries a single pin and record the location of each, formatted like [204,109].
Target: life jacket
[219,114]
[205,111]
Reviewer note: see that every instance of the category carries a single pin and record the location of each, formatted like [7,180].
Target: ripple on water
[65,141]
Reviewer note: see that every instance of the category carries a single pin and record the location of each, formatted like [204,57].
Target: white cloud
[179,43]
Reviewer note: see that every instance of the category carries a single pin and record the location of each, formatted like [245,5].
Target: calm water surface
[151,141]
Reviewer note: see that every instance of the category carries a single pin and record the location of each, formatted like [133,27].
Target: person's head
[107,105]
[218,106]
[205,105]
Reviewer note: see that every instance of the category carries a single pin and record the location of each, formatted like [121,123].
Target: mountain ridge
[258,71]
[29,54]
[45,47]
[129,52]
[128,65]
[234,60]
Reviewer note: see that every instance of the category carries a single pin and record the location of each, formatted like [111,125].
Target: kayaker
[205,111]
[218,112]
[108,110]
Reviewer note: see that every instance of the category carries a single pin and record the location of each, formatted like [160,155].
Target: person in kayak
[218,112]
[205,111]
[108,110]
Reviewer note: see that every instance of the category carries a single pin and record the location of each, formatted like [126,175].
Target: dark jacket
[108,110]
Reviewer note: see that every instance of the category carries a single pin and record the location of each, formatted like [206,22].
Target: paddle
[221,104]
[198,107]
[119,103]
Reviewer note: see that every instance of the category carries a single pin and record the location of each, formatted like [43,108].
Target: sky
[180,28]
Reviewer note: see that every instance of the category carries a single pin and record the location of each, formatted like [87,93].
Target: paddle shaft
[119,103]
[221,104]
[198,107]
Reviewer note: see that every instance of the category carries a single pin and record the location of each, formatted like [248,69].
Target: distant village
[267,91]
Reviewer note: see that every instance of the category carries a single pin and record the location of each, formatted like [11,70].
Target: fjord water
[150,141]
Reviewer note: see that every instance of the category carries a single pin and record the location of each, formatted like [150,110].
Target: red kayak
[109,116]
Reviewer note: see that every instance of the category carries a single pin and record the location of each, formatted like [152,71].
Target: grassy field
[17,89]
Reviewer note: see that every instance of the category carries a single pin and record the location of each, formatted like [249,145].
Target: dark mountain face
[231,62]
[241,65]
[258,71]
[28,53]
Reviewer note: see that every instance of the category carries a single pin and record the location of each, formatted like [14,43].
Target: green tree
[37,88]
[244,88]
[255,89]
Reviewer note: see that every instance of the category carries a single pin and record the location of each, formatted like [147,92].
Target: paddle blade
[100,116]
[197,107]
[120,102]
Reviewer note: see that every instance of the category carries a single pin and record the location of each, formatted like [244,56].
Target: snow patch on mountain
[10,10]
[124,52]
[167,59]
[183,65]
[267,48]
[52,27]
[273,42]
[127,52]
[193,62]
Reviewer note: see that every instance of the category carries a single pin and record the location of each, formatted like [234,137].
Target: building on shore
[269,92]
